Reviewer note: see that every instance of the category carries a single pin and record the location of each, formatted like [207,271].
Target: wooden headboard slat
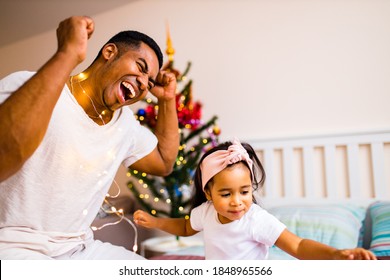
[288,188]
[353,170]
[378,170]
[308,171]
[330,171]
[351,167]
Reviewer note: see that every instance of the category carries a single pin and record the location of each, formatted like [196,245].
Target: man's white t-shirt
[50,203]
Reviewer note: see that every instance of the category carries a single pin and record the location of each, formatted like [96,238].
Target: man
[63,137]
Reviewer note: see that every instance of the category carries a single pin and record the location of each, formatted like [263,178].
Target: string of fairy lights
[152,193]
[146,194]
[144,189]
[112,210]
[106,207]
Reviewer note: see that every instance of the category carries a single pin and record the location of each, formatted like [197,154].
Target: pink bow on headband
[219,160]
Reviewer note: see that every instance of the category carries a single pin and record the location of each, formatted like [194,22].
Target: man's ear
[110,50]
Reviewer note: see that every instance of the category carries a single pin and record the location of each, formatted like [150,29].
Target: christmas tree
[170,196]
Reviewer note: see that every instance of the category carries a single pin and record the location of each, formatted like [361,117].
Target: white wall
[266,68]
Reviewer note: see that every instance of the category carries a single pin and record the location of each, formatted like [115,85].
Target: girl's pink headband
[219,160]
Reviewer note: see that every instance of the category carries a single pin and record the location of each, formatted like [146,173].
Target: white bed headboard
[352,167]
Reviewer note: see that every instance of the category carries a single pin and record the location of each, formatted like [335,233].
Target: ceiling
[20,19]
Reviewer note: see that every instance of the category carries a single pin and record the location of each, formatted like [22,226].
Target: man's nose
[143,82]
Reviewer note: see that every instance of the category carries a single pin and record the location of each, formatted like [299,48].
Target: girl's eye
[245,192]
[225,195]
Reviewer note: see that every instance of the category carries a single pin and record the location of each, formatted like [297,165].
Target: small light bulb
[81,75]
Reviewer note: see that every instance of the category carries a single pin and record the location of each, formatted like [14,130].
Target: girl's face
[231,192]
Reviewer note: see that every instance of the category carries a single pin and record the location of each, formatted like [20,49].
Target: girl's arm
[312,250]
[175,226]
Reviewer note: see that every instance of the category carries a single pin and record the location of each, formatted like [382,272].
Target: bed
[331,188]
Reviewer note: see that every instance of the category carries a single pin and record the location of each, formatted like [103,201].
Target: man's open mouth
[128,90]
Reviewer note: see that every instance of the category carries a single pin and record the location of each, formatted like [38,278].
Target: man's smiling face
[129,76]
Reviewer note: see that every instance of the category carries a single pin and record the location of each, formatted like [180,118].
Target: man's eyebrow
[145,65]
[147,70]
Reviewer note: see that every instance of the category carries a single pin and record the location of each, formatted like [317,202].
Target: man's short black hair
[131,38]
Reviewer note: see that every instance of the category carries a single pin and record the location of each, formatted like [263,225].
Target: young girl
[234,226]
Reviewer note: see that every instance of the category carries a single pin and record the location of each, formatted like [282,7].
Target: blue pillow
[380,228]
[337,225]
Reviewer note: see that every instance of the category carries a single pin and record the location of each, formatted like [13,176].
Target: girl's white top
[247,238]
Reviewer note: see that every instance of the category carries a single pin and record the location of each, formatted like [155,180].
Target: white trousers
[93,250]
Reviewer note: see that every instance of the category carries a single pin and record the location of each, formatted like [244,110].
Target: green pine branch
[196,132]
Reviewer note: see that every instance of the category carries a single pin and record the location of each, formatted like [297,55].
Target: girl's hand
[144,219]
[354,254]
